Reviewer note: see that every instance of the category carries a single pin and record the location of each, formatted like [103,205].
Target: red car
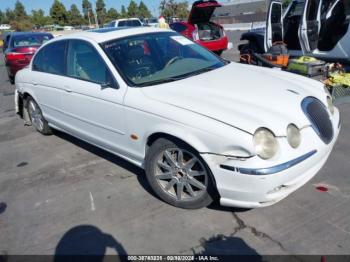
[19,48]
[200,29]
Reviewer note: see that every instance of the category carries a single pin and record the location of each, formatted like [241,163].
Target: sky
[46,4]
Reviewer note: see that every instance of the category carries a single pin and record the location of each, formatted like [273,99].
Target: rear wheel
[37,118]
[178,175]
[12,79]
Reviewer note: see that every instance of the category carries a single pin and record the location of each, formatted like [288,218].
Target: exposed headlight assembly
[265,143]
[330,104]
[293,136]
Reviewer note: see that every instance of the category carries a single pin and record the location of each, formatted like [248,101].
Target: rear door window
[51,58]
[85,63]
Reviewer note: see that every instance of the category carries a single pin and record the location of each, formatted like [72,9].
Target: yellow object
[1,42]
[339,78]
[163,25]
[304,59]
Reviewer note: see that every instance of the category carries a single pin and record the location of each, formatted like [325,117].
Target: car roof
[106,34]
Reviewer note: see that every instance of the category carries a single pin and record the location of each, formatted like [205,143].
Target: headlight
[265,143]
[293,136]
[330,104]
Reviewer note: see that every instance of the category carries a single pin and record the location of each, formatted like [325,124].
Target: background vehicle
[129,22]
[5,27]
[200,29]
[318,28]
[153,22]
[19,48]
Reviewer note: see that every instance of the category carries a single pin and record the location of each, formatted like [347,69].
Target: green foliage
[10,15]
[38,18]
[171,8]
[123,12]
[286,3]
[74,16]
[86,6]
[132,9]
[112,14]
[20,12]
[2,17]
[22,25]
[101,11]
[143,11]
[58,13]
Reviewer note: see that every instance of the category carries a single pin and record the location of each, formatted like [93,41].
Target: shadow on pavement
[227,245]
[89,241]
[139,172]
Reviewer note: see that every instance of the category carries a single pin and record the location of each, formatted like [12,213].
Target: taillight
[15,56]
[195,35]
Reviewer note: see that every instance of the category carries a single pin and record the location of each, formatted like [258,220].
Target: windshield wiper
[160,81]
[175,78]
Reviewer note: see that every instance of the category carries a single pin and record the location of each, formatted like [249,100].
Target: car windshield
[30,40]
[156,58]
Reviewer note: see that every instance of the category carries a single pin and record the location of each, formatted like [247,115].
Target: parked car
[19,48]
[307,27]
[200,126]
[126,22]
[200,29]
[153,22]
[5,27]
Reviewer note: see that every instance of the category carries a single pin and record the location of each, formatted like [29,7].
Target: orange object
[281,60]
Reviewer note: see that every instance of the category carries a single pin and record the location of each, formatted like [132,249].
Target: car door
[93,103]
[274,25]
[310,26]
[48,69]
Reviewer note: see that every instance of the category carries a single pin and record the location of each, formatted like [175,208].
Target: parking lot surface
[60,195]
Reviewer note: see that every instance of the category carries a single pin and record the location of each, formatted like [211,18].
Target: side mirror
[109,84]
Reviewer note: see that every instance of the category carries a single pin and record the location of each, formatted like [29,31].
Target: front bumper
[255,182]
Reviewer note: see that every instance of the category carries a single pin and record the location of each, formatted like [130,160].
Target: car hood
[202,11]
[243,96]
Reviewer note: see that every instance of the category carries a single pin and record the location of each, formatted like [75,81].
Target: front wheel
[37,118]
[178,175]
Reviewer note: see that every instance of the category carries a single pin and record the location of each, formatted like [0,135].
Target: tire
[36,117]
[12,80]
[178,175]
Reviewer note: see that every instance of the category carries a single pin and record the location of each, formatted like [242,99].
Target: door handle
[35,83]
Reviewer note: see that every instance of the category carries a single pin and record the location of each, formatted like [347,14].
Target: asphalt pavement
[60,195]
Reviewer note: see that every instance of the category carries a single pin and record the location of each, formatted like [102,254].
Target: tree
[58,13]
[133,9]
[112,14]
[286,3]
[38,17]
[101,11]
[2,17]
[170,8]
[123,12]
[10,15]
[74,16]
[86,6]
[20,12]
[143,11]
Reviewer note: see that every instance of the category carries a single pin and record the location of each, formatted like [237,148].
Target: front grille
[318,115]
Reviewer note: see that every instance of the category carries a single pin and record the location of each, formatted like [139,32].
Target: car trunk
[200,15]
[209,31]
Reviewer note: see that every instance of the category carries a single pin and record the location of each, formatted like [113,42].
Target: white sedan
[201,127]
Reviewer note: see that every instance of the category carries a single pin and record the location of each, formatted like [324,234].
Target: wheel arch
[184,138]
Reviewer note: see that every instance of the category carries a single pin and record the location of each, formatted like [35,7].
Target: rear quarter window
[51,58]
